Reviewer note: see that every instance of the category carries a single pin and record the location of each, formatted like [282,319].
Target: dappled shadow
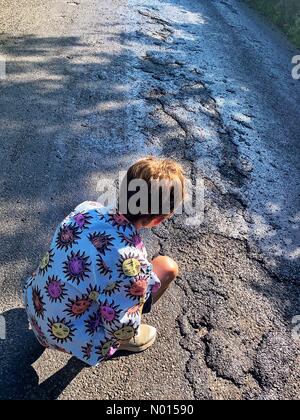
[18,351]
[68,116]
[56,133]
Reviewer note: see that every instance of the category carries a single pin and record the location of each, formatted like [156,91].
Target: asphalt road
[93,85]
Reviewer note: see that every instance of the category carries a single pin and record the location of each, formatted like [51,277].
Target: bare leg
[166,270]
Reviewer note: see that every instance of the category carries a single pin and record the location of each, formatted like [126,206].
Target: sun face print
[127,332]
[67,237]
[103,268]
[109,312]
[137,288]
[93,292]
[46,262]
[101,242]
[119,221]
[87,351]
[55,289]
[38,303]
[106,349]
[112,288]
[78,306]
[76,268]
[82,220]
[132,240]
[61,330]
[134,310]
[93,324]
[129,265]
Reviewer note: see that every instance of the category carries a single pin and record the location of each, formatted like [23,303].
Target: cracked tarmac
[83,100]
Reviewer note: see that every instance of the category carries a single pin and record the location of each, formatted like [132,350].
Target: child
[95,281]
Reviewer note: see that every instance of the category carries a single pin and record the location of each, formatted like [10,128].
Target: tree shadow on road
[18,352]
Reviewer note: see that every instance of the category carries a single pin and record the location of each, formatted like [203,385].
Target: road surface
[93,85]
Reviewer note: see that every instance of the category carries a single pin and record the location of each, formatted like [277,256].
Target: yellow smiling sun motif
[105,347]
[93,292]
[46,262]
[61,330]
[94,295]
[131,267]
[127,332]
[112,288]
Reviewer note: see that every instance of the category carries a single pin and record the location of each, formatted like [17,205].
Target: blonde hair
[159,174]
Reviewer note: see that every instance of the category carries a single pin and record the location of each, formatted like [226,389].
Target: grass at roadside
[284,13]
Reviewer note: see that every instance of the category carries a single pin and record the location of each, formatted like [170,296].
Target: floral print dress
[88,292]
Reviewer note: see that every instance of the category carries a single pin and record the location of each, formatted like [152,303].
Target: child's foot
[142,341]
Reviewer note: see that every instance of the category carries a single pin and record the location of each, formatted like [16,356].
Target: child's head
[151,191]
